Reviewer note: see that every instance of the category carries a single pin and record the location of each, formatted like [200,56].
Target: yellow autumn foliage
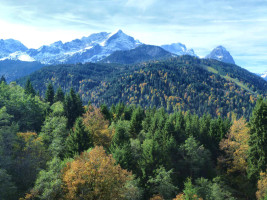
[94,175]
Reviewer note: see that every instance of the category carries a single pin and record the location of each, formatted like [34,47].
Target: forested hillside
[186,83]
[55,148]
[141,53]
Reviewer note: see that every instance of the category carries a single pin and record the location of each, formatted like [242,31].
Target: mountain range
[88,49]
[102,47]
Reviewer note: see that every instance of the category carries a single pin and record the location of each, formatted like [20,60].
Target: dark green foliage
[121,146]
[212,190]
[136,121]
[73,107]
[48,184]
[196,160]
[28,89]
[59,96]
[257,159]
[79,140]
[162,184]
[8,190]
[54,131]
[105,111]
[49,94]
[28,111]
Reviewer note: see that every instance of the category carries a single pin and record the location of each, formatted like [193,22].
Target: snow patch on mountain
[263,75]
[22,56]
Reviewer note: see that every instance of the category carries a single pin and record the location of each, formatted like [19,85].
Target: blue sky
[238,25]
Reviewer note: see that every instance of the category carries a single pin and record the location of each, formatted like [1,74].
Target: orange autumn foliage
[94,175]
[97,125]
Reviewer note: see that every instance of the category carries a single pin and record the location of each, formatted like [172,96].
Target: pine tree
[257,158]
[59,96]
[136,121]
[28,89]
[73,107]
[105,112]
[79,140]
[49,94]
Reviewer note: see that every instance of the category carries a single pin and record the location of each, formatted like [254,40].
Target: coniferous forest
[54,144]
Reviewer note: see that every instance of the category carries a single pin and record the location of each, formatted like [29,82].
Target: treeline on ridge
[184,83]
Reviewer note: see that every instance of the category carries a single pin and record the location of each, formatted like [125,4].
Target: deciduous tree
[94,175]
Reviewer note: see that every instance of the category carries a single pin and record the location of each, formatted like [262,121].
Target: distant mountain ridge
[178,49]
[221,54]
[10,46]
[141,53]
[14,69]
[87,49]
[93,48]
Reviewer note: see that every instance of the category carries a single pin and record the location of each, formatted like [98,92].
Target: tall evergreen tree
[49,94]
[59,96]
[73,107]
[136,121]
[79,140]
[28,89]
[105,112]
[257,158]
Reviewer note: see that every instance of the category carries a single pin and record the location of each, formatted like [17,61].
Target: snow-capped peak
[10,46]
[221,54]
[87,49]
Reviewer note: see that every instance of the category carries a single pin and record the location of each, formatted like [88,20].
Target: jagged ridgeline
[188,83]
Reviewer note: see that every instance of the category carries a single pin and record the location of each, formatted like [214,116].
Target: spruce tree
[105,112]
[79,140]
[28,89]
[59,96]
[49,94]
[257,158]
[136,121]
[73,107]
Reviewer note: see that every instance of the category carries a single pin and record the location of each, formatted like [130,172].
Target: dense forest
[184,83]
[53,147]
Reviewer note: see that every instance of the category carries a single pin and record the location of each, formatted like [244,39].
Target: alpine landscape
[133,114]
